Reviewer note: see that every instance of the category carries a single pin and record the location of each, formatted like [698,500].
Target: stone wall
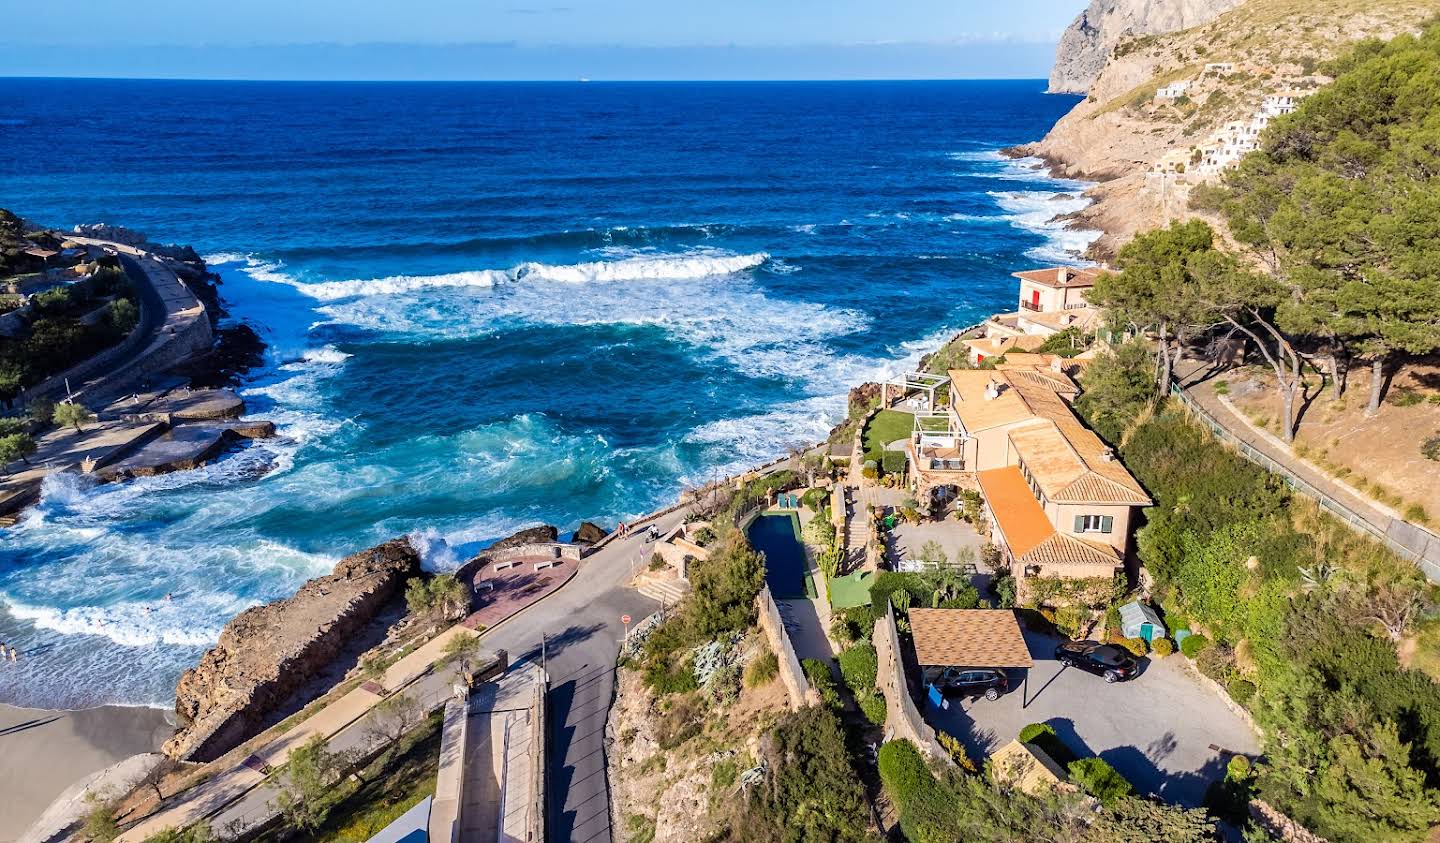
[791,674]
[266,653]
[901,715]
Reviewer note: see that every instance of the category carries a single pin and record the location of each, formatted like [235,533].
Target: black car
[1105,660]
[973,682]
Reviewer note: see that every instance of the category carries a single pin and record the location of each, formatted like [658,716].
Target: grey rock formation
[266,653]
[1088,42]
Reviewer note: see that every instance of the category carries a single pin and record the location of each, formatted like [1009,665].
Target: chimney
[992,391]
[1060,273]
[1055,363]
[1108,455]
[1069,318]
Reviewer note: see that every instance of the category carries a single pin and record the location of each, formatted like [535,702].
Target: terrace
[937,442]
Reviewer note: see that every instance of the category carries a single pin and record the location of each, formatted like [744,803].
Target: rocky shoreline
[266,653]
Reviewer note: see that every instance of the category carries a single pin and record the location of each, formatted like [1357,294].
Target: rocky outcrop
[268,652]
[1092,37]
[589,533]
[1120,131]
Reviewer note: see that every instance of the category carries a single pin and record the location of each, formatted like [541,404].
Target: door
[1035,299]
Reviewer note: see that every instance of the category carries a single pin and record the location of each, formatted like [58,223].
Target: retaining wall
[902,718]
[791,674]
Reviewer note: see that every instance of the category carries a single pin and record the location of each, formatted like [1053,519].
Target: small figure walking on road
[14,655]
[623,529]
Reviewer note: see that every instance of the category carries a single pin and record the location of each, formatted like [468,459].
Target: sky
[533,39]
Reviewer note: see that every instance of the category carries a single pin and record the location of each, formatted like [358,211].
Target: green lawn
[851,590]
[886,427]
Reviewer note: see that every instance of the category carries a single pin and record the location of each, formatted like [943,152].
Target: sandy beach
[47,751]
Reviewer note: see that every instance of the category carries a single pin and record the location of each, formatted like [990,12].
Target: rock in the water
[589,533]
[1088,42]
[266,653]
[529,535]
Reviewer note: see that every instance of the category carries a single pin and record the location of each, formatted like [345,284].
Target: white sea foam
[190,622]
[1036,211]
[644,267]
[730,316]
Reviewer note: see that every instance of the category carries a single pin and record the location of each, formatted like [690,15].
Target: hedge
[873,707]
[1194,645]
[858,667]
[1096,777]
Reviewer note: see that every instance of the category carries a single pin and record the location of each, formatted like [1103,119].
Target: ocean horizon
[489,305]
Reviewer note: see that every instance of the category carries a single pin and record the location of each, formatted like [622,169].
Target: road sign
[624,618]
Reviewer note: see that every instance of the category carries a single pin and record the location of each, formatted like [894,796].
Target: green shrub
[818,673]
[873,707]
[1194,645]
[858,667]
[1096,777]
[1240,690]
[1043,736]
[888,582]
[1003,587]
[763,669]
[663,680]
[1416,513]
[1035,730]
[1136,646]
[1162,647]
[812,790]
[893,462]
[724,773]
[1430,448]
[903,771]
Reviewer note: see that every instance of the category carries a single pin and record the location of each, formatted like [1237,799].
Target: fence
[791,674]
[1408,540]
[901,715]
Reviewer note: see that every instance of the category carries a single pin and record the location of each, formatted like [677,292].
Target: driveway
[1165,732]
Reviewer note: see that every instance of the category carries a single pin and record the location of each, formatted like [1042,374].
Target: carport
[967,638]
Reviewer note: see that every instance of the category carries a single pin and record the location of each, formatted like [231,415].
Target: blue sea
[495,305]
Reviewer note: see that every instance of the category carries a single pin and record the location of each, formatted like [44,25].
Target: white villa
[1174,90]
[1050,301]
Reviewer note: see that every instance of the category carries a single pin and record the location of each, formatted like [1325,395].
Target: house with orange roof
[1051,300]
[1058,501]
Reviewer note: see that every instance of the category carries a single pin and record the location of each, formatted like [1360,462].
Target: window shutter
[1079,523]
[1107,523]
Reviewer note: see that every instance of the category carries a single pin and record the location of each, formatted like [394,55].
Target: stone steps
[668,592]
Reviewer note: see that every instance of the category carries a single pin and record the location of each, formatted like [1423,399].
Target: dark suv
[1105,660]
[973,682]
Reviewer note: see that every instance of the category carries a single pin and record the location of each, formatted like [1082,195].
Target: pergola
[920,381]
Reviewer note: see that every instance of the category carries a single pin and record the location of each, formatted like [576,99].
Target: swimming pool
[777,535]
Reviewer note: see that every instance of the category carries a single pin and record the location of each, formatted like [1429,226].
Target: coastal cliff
[267,652]
[1124,134]
[1086,45]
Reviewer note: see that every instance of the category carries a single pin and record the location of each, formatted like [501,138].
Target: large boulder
[268,652]
[589,533]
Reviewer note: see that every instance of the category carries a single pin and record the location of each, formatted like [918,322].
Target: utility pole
[543,664]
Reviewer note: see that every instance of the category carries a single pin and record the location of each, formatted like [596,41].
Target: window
[1094,523]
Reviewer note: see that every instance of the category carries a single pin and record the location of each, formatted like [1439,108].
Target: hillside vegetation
[1118,132]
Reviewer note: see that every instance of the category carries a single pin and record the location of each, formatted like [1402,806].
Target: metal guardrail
[1410,541]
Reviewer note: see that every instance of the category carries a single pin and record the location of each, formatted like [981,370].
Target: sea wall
[267,652]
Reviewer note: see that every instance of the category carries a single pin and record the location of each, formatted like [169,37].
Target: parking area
[1164,731]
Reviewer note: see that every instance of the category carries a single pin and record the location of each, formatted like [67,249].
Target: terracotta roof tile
[1062,276]
[1019,515]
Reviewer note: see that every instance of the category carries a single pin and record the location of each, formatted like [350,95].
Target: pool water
[777,535]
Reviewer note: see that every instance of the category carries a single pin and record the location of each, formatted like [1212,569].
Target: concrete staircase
[858,530]
[668,592]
